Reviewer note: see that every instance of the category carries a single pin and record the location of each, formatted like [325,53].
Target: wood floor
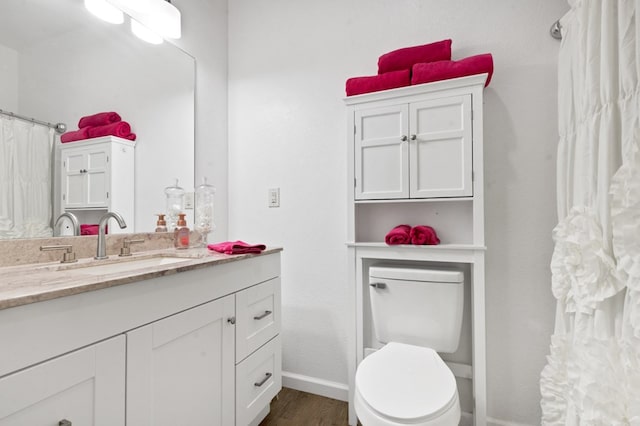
[296,408]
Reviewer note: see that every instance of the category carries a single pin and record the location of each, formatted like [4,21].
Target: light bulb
[104,11]
[145,33]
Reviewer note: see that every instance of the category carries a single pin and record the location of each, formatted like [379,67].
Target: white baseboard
[497,422]
[329,389]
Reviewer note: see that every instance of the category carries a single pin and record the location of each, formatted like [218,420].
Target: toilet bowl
[404,384]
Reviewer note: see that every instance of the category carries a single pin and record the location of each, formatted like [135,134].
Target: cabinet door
[180,370]
[85,387]
[73,178]
[97,176]
[85,177]
[441,148]
[381,153]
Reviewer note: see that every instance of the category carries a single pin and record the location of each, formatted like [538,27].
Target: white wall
[288,62]
[9,80]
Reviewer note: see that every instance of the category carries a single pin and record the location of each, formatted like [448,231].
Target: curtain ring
[556,30]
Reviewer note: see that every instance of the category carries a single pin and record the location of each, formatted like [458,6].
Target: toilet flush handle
[378,285]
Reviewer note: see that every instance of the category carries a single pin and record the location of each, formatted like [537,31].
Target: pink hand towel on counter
[75,135]
[444,70]
[403,59]
[398,235]
[99,119]
[424,235]
[121,129]
[375,83]
[236,247]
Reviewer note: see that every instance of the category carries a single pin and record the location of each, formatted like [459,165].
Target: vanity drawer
[258,381]
[257,316]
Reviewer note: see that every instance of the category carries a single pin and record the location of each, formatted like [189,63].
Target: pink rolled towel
[236,247]
[121,129]
[444,70]
[403,59]
[398,235]
[374,83]
[424,235]
[75,135]
[99,119]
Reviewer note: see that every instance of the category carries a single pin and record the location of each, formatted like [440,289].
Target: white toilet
[417,313]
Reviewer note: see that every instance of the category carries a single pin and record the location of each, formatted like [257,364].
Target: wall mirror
[59,63]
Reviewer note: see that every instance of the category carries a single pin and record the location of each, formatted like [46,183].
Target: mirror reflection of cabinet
[97,175]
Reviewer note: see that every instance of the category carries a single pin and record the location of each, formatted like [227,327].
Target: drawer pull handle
[378,285]
[259,317]
[64,422]
[267,376]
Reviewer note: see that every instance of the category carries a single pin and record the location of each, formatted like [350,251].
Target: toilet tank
[417,306]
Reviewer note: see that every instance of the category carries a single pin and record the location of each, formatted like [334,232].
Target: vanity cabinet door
[180,370]
[85,387]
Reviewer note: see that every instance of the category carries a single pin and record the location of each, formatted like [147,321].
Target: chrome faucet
[74,222]
[101,251]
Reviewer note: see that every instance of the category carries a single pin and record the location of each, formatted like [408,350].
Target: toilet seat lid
[406,382]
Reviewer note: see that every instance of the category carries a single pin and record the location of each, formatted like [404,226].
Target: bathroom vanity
[169,338]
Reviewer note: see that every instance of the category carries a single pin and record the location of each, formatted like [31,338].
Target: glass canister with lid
[204,210]
[175,205]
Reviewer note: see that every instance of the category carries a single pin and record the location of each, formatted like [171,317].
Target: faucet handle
[125,250]
[67,257]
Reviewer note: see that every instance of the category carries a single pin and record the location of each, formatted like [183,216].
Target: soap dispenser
[161,225]
[181,233]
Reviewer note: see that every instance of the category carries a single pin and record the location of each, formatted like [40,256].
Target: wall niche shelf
[415,156]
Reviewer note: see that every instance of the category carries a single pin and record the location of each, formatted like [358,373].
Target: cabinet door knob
[414,137]
[403,138]
[64,422]
[263,381]
[231,320]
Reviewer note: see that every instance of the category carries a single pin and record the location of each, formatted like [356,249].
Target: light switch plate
[274,197]
[188,200]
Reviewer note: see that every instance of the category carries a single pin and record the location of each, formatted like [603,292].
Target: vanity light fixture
[144,33]
[151,20]
[158,16]
[105,11]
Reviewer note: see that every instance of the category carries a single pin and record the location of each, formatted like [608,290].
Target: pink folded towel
[424,235]
[75,135]
[443,70]
[121,129]
[398,235]
[92,229]
[236,247]
[390,80]
[403,59]
[99,119]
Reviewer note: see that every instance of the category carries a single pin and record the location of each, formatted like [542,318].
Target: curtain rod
[59,127]
[556,30]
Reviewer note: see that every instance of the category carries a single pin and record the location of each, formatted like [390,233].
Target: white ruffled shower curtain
[25,179]
[593,371]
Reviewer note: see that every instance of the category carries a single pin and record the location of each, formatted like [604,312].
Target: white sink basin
[128,265]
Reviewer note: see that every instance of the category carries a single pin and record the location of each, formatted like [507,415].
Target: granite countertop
[24,284]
